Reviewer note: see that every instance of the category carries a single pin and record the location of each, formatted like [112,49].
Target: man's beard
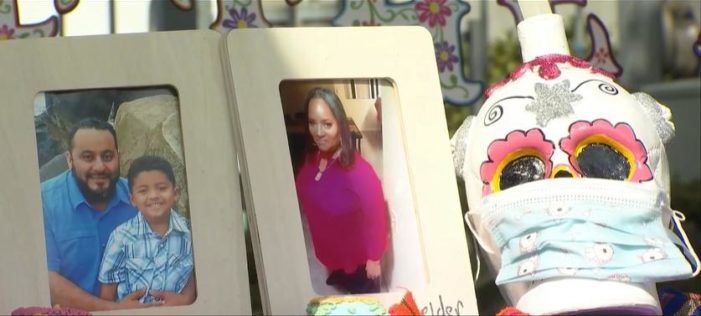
[93,197]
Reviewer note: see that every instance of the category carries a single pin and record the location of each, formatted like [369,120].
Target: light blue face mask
[585,228]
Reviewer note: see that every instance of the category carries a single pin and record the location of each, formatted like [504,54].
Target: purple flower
[6,32]
[435,11]
[239,20]
[445,56]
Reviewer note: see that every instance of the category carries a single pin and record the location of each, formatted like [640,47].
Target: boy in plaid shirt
[153,250]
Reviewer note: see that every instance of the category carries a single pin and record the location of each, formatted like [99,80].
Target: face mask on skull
[568,187]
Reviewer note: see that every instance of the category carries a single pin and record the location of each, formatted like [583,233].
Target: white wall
[383,147]
[408,269]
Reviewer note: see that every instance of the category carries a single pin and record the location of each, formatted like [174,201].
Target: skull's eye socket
[521,170]
[521,157]
[601,160]
[602,150]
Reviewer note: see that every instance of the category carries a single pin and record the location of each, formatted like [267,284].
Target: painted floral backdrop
[238,14]
[440,17]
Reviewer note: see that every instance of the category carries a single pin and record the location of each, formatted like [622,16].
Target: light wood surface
[188,61]
[258,61]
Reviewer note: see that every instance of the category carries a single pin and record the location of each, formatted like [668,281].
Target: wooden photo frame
[370,108]
[187,61]
[401,56]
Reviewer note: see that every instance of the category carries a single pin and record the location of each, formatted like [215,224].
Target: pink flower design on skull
[599,149]
[435,11]
[521,157]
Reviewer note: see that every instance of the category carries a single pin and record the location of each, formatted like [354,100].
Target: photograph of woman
[341,199]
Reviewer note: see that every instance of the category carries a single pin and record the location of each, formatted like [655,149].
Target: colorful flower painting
[445,56]
[441,18]
[433,11]
[238,14]
[240,19]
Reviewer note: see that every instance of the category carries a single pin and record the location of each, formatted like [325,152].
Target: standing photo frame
[259,64]
[370,107]
[189,63]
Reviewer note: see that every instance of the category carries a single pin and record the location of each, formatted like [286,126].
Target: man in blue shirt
[81,208]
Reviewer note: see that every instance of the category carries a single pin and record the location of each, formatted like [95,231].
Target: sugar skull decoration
[568,184]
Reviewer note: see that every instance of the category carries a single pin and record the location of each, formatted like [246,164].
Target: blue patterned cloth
[585,228]
[137,258]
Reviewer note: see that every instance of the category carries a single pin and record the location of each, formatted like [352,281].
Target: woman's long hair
[347,146]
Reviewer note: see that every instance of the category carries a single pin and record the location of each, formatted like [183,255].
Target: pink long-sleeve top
[345,211]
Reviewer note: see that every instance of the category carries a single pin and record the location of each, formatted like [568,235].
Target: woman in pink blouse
[341,198]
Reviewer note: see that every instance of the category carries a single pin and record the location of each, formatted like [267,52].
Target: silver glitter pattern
[659,114]
[458,145]
[552,102]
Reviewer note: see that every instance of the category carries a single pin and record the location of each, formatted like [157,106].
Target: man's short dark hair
[91,123]
[149,163]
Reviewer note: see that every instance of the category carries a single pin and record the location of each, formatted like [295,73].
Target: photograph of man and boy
[356,210]
[114,242]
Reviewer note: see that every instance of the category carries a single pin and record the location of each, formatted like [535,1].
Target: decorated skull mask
[568,188]
[556,116]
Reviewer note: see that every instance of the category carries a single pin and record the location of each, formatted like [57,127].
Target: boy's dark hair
[91,123]
[149,163]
